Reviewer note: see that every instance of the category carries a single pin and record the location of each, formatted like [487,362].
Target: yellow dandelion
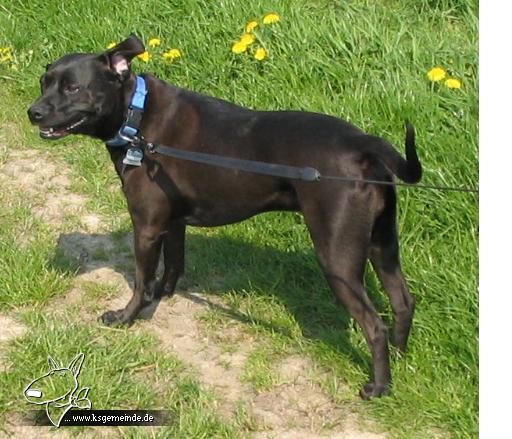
[171,54]
[112,44]
[453,83]
[436,74]
[6,54]
[249,27]
[239,47]
[260,54]
[247,39]
[153,42]
[271,18]
[145,56]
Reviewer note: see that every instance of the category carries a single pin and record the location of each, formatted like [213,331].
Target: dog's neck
[112,123]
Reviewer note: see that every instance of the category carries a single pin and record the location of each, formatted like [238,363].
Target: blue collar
[130,126]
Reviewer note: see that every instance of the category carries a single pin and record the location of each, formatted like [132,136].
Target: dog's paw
[372,390]
[166,291]
[112,318]
[400,343]
[163,290]
[150,296]
[157,291]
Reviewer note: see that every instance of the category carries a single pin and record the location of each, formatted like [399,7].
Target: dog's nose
[37,113]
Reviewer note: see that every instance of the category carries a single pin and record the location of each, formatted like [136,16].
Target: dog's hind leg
[148,244]
[384,255]
[341,233]
[174,259]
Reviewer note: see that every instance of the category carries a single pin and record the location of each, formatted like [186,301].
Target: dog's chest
[211,217]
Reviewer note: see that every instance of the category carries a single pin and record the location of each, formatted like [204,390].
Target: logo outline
[58,404]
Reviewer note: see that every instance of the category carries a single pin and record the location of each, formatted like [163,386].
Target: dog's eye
[71,89]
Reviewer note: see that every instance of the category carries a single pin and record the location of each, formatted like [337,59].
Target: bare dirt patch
[46,183]
[297,407]
[176,323]
[11,329]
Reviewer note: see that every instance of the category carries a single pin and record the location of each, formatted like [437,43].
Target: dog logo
[58,390]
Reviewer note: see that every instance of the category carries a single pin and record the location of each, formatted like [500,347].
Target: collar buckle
[127,133]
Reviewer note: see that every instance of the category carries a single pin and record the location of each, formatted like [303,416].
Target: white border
[495,217]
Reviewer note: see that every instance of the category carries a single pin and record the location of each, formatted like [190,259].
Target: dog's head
[83,93]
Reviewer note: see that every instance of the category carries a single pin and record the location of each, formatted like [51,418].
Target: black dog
[348,222]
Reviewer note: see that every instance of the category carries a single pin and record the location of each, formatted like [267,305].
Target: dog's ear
[119,57]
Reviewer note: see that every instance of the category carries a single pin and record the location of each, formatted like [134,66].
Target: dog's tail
[409,169]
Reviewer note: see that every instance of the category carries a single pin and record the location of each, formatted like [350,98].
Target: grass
[364,61]
[26,251]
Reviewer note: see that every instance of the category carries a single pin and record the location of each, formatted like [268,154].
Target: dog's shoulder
[202,101]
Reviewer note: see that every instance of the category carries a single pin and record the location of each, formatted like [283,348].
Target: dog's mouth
[61,131]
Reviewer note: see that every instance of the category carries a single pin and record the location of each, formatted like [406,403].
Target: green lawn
[364,61]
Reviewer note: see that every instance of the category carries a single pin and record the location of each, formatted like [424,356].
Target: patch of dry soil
[47,184]
[10,329]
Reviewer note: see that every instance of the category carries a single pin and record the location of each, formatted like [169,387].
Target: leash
[399,183]
[129,134]
[285,171]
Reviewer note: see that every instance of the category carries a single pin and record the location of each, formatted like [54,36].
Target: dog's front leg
[174,259]
[148,243]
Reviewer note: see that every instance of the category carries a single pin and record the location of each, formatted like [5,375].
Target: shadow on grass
[223,265]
